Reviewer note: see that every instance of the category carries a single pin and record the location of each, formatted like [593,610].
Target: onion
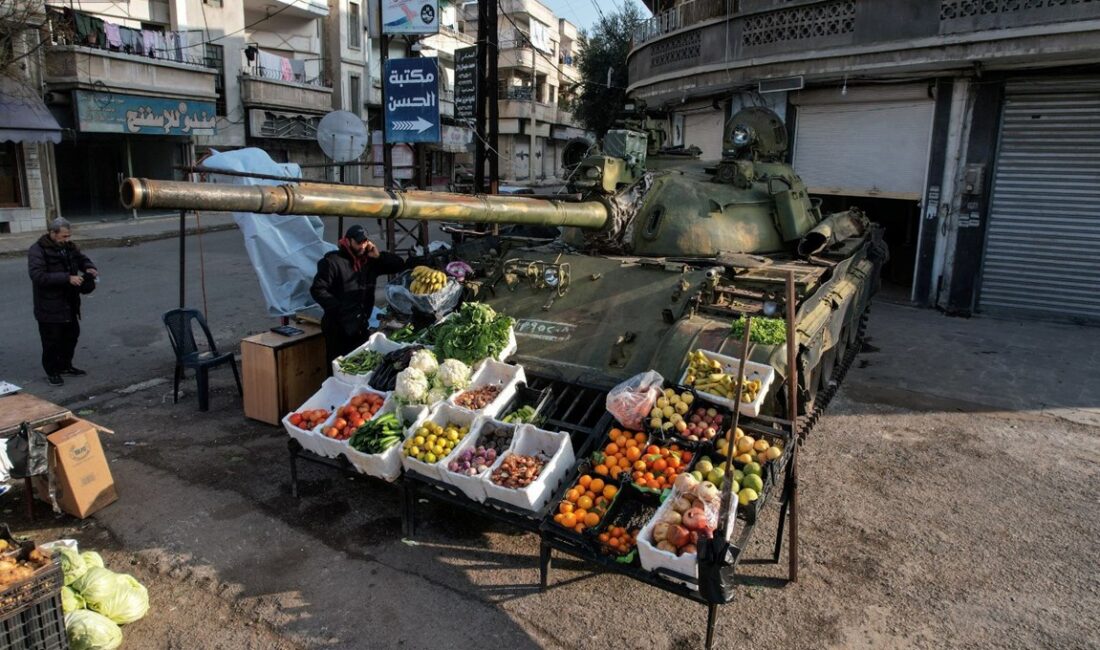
[660,532]
[695,519]
[678,535]
[671,517]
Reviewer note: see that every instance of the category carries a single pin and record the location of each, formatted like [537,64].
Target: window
[215,60]
[355,28]
[355,95]
[13,193]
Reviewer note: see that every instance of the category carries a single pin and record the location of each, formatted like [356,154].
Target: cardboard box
[79,474]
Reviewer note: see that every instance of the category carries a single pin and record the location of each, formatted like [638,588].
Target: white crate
[332,394]
[653,558]
[473,486]
[378,342]
[387,465]
[441,415]
[753,370]
[492,372]
[334,447]
[531,440]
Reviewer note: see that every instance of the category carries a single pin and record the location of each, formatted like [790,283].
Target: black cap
[356,234]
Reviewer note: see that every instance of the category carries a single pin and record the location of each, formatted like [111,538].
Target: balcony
[296,8]
[515,103]
[77,66]
[512,57]
[262,92]
[702,47]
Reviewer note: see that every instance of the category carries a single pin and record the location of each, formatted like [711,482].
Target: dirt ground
[925,527]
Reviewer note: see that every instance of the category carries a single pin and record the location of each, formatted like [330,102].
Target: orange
[579,528]
[597,485]
[585,480]
[585,502]
[573,495]
[610,491]
[615,471]
[621,440]
[673,462]
[568,521]
[640,438]
[580,513]
[558,517]
[591,519]
[614,433]
[633,453]
[639,465]
[565,507]
[624,463]
[653,484]
[660,465]
[653,449]
[612,449]
[604,537]
[601,469]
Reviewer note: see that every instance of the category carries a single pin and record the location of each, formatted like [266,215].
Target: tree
[598,103]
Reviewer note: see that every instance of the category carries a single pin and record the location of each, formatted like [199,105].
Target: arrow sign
[412,100]
[419,125]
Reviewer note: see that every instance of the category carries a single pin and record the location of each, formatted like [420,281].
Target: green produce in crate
[360,363]
[766,331]
[474,332]
[524,414]
[378,435]
[405,335]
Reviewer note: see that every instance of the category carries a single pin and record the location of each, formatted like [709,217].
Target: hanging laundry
[299,68]
[131,40]
[114,38]
[175,46]
[286,70]
[161,45]
[270,65]
[149,42]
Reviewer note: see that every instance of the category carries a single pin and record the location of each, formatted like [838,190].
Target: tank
[650,260]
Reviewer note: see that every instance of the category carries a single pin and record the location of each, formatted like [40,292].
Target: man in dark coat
[344,287]
[59,273]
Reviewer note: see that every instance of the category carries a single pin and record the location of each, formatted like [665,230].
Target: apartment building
[537,80]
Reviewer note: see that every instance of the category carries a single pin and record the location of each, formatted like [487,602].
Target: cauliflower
[411,386]
[437,395]
[454,374]
[424,361]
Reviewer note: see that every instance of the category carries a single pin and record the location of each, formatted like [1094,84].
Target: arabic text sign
[410,16]
[133,114]
[412,100]
[544,329]
[466,83]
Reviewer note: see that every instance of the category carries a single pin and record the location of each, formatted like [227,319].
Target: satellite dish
[342,136]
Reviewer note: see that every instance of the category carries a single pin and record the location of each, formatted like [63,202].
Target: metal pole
[792,415]
[387,152]
[494,103]
[183,257]
[534,118]
[130,170]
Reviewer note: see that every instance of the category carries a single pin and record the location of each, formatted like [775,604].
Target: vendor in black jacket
[344,287]
[59,274]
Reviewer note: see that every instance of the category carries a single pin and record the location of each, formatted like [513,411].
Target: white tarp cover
[284,249]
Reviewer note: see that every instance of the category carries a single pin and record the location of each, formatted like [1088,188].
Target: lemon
[747,496]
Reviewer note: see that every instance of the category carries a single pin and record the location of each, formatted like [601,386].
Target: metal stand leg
[544,564]
[28,497]
[792,547]
[294,446]
[712,618]
[783,509]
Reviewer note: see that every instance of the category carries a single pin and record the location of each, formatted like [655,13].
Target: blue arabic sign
[117,113]
[412,100]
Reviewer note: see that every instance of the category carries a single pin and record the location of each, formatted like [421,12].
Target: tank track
[824,397]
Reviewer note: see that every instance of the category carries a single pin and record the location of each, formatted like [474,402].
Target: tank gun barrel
[359,201]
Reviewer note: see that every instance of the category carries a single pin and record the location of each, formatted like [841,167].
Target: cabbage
[90,631]
[72,564]
[117,596]
[70,600]
[92,559]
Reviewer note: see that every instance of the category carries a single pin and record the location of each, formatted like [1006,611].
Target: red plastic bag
[631,401]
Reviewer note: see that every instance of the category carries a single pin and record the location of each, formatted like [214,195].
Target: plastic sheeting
[284,249]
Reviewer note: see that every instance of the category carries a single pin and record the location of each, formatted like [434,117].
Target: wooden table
[281,372]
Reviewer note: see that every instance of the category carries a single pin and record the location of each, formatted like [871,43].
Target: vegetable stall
[658,480]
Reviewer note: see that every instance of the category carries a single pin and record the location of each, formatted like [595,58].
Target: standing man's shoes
[56,380]
[75,372]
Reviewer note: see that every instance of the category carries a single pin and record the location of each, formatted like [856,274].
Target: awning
[23,115]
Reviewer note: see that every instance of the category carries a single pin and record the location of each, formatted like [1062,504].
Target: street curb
[120,242]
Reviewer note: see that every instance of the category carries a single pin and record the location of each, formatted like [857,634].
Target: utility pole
[534,116]
[494,104]
[487,113]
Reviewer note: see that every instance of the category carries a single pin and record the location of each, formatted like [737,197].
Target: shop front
[116,135]
[27,130]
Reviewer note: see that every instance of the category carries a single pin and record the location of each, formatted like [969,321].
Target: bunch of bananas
[708,376]
[427,280]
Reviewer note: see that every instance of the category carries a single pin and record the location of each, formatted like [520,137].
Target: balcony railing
[682,15]
[516,93]
[68,27]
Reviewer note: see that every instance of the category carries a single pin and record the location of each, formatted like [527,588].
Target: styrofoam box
[334,447]
[332,394]
[753,370]
[531,440]
[441,415]
[378,342]
[512,346]
[474,486]
[687,564]
[387,465]
[493,373]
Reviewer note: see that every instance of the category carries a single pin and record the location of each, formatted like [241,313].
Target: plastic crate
[30,612]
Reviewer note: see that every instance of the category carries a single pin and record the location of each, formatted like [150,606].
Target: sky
[583,14]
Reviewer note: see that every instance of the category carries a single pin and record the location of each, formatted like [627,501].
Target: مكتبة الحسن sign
[410,16]
[99,112]
[412,100]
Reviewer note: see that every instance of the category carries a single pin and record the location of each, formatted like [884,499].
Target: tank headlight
[742,136]
[592,173]
[550,276]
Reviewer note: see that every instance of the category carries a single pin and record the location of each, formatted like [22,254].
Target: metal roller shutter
[705,129]
[1044,223]
[875,148]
